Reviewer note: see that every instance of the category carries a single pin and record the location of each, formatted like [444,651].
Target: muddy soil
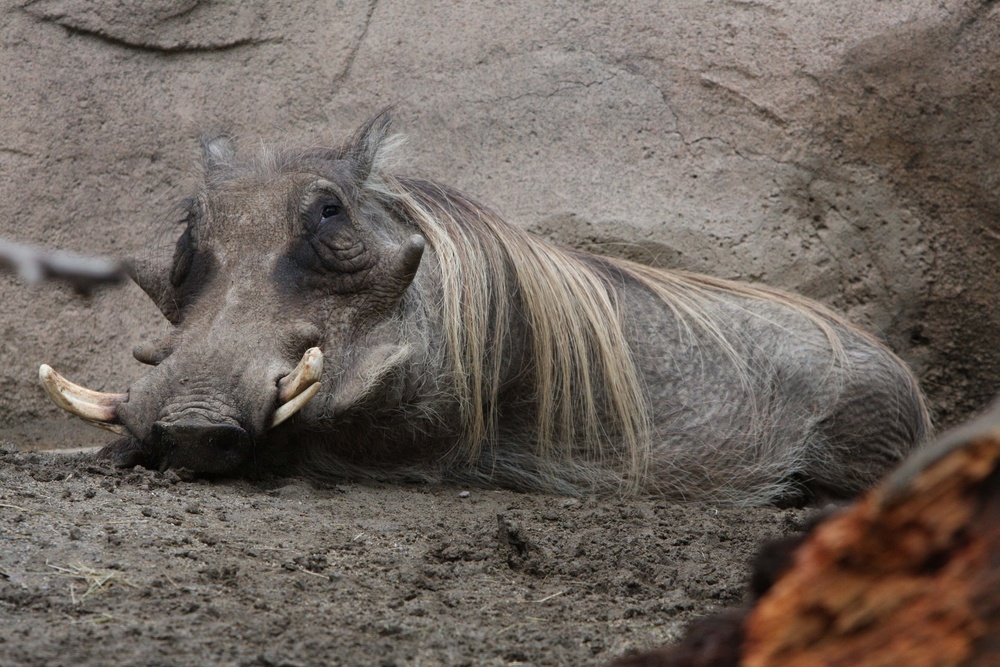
[135,567]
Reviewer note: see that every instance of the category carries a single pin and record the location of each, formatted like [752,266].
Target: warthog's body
[490,356]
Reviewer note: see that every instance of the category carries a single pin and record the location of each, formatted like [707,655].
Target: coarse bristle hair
[590,401]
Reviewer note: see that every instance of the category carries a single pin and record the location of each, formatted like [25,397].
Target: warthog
[436,341]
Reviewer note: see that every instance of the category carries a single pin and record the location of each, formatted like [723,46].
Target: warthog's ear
[217,151]
[154,279]
[370,376]
[368,148]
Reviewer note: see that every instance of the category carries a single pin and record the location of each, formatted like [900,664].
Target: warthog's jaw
[207,445]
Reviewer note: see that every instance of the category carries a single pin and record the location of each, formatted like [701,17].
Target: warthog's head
[285,256]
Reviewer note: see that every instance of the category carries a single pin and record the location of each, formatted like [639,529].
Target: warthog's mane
[591,405]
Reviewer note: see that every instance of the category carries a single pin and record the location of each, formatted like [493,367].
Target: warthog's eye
[331,210]
[331,247]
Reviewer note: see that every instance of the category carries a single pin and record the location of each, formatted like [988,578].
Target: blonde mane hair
[591,403]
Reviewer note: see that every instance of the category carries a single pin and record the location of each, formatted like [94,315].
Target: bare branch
[33,265]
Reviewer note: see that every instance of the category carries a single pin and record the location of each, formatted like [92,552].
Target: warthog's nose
[209,448]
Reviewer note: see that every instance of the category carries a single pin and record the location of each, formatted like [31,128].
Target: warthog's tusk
[299,386]
[294,405]
[309,370]
[94,407]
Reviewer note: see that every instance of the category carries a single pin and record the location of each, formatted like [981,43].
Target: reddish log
[908,575]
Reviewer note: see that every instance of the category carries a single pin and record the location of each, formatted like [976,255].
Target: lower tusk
[94,407]
[109,426]
[294,405]
[309,370]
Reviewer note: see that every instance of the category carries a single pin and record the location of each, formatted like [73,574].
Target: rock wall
[843,150]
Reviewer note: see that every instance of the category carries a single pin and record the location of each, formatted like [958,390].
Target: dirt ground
[135,567]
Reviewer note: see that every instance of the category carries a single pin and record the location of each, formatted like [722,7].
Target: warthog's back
[769,398]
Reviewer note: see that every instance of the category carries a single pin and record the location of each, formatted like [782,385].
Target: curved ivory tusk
[309,370]
[94,407]
[294,405]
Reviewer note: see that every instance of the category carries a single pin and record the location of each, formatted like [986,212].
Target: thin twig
[546,599]
[532,620]
[33,265]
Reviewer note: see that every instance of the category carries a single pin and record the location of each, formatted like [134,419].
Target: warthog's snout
[202,446]
[201,439]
